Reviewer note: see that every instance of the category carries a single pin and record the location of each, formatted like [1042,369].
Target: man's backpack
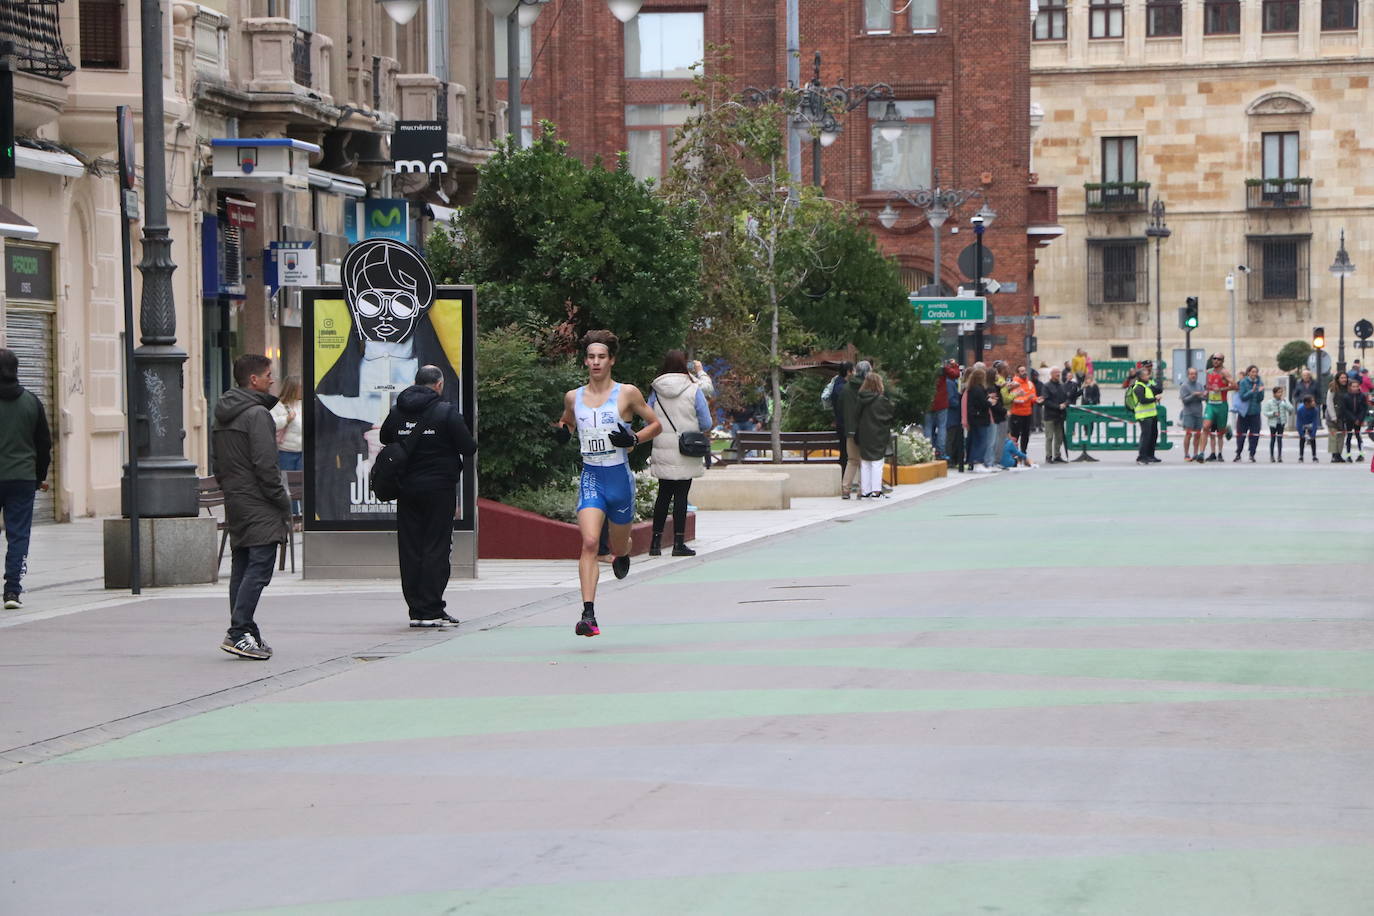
[389,467]
[828,393]
[1130,397]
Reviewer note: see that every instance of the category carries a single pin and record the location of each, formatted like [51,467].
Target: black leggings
[675,491]
[1353,432]
[1276,441]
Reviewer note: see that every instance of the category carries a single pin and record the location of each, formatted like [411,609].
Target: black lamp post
[167,480]
[814,108]
[1342,268]
[981,221]
[1159,232]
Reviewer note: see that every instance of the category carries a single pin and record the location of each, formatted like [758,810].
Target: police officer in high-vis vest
[1145,391]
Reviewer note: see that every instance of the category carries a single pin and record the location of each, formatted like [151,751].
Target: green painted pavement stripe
[1335,881]
[266,726]
[1333,669]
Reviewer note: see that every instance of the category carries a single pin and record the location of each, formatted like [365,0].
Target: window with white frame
[925,15]
[877,17]
[664,45]
[904,163]
[649,132]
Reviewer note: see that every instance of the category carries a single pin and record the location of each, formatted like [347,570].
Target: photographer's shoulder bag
[389,467]
[692,443]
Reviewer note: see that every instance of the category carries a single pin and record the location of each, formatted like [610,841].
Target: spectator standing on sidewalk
[1278,415]
[25,456]
[1335,416]
[1355,405]
[257,510]
[1092,394]
[1309,418]
[977,419]
[429,492]
[936,416]
[1143,397]
[1249,405]
[679,401]
[1056,407]
[287,417]
[836,401]
[850,406]
[1192,393]
[1001,417]
[1306,387]
[955,449]
[874,427]
[1023,401]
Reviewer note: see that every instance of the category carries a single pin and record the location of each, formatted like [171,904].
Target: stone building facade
[959,72]
[1250,122]
[333,74]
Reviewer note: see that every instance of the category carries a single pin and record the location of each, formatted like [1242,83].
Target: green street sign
[931,310]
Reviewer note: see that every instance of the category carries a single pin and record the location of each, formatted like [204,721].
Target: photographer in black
[1142,395]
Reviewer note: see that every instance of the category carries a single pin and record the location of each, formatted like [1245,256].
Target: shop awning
[14,226]
[340,184]
[41,160]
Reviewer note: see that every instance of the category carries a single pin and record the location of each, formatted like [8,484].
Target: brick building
[959,71]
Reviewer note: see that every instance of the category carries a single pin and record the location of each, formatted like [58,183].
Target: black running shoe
[429,623]
[246,647]
[12,602]
[587,627]
[621,567]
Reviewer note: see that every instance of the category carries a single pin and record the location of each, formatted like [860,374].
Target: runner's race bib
[596,447]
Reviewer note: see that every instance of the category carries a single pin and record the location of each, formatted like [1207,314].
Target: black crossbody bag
[693,444]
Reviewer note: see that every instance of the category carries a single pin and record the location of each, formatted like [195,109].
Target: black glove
[623,436]
[561,434]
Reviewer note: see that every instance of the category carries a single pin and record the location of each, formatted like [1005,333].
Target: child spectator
[1278,413]
[1308,418]
[1012,455]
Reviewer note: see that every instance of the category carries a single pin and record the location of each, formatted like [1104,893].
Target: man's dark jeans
[16,508]
[250,570]
[1149,435]
[424,539]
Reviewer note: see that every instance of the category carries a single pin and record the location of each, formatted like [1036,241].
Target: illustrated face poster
[364,345]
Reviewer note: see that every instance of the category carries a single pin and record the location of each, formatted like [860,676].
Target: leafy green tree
[1293,355]
[859,298]
[559,248]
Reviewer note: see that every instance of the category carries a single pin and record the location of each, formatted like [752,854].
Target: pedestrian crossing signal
[1318,338]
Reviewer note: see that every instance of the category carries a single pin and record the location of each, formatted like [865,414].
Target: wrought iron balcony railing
[1278,193]
[1117,196]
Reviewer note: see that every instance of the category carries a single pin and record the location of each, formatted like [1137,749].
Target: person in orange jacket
[1024,399]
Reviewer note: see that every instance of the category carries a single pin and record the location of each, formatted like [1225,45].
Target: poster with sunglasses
[364,343]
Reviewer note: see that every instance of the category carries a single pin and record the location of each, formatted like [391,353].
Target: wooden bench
[761,442]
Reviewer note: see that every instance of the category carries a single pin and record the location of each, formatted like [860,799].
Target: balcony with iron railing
[1117,196]
[1278,193]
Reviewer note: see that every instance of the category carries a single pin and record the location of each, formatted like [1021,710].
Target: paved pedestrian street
[1103,689]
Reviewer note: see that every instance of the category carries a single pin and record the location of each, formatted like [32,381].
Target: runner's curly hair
[605,338]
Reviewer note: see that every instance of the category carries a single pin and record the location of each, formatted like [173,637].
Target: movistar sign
[931,310]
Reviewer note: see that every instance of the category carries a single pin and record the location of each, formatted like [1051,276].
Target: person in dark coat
[429,492]
[837,405]
[25,456]
[849,399]
[1056,408]
[873,433]
[257,509]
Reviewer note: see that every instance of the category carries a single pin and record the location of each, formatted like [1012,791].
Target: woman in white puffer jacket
[679,400]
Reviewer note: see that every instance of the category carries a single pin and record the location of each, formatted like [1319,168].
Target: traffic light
[1318,338]
[6,112]
[1190,313]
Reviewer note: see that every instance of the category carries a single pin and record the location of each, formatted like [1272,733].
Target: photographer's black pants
[424,540]
[1149,434]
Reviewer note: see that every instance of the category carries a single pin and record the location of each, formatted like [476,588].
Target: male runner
[599,411]
[1216,414]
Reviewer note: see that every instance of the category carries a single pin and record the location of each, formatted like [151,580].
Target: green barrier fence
[1114,371]
[1108,428]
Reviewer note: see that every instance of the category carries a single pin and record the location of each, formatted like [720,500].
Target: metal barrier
[1109,428]
[1114,371]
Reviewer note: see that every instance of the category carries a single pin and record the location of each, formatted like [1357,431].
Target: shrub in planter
[914,448]
[557,499]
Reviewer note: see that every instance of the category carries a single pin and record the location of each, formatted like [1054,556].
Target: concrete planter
[916,473]
[507,533]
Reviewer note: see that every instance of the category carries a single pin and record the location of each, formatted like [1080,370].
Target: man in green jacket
[1145,392]
[849,409]
[25,455]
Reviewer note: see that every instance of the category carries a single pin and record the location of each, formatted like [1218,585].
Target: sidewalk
[66,563]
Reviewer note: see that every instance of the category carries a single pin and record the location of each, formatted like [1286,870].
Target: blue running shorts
[610,489]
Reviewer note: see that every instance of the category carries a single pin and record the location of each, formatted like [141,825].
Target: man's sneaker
[621,567]
[431,622]
[246,647]
[451,621]
[587,627]
[12,602]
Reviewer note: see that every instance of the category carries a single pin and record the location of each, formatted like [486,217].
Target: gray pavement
[1079,689]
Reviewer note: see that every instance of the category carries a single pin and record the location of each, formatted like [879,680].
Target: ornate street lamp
[1159,232]
[1341,267]
[815,109]
[521,14]
[936,203]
